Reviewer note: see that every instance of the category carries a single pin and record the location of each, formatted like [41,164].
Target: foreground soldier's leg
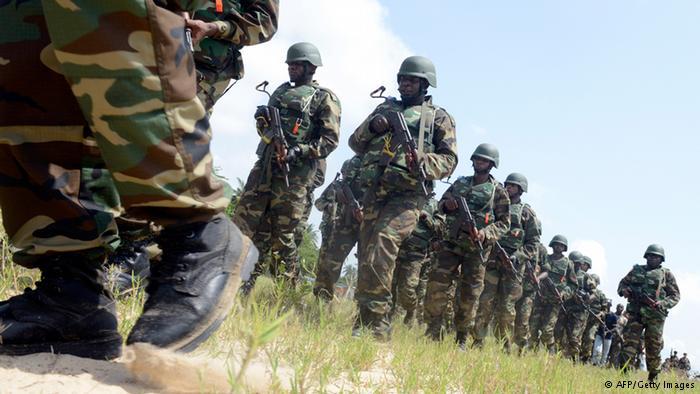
[436,296]
[523,310]
[470,287]
[510,291]
[134,80]
[335,248]
[487,301]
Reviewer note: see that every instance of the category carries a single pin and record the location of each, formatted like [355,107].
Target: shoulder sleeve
[326,126]
[360,139]
[442,162]
[501,211]
[254,24]
[673,294]
[533,231]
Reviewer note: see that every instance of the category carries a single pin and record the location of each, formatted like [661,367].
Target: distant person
[651,290]
[603,337]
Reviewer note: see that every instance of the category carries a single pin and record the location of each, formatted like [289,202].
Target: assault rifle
[552,288]
[345,196]
[505,260]
[269,118]
[638,295]
[465,221]
[578,297]
[530,271]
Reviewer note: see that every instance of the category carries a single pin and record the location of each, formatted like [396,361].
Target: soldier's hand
[379,124]
[435,245]
[480,235]
[450,205]
[293,154]
[201,29]
[625,293]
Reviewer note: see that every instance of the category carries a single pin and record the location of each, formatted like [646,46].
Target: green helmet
[559,239]
[304,51]
[488,152]
[575,256]
[419,66]
[518,179]
[657,250]
[588,261]
[350,166]
[596,278]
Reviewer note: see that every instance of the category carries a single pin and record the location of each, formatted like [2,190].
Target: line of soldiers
[672,363]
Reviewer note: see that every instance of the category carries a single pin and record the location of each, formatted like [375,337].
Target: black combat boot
[193,287]
[653,375]
[132,264]
[461,340]
[69,312]
[410,318]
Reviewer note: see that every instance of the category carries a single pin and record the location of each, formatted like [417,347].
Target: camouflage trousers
[387,223]
[575,322]
[523,310]
[338,239]
[588,337]
[467,268]
[542,322]
[422,285]
[412,257]
[497,302]
[90,123]
[615,353]
[273,209]
[653,331]
[209,88]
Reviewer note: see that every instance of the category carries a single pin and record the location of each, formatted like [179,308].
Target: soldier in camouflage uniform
[340,228]
[101,99]
[220,30]
[503,288]
[598,302]
[558,269]
[523,308]
[651,290]
[413,255]
[395,192]
[576,316]
[310,117]
[461,256]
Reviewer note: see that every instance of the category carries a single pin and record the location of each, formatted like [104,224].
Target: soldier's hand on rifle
[358,215]
[262,116]
[201,29]
[379,124]
[293,154]
[450,205]
[480,235]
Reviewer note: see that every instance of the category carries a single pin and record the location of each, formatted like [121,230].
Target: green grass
[309,347]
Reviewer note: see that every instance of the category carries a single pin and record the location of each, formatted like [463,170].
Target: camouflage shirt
[241,23]
[439,157]
[489,204]
[658,283]
[562,273]
[524,234]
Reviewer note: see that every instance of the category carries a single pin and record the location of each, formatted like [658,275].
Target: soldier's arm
[441,163]
[501,210]
[624,284]
[533,232]
[450,193]
[326,198]
[327,125]
[360,139]
[256,23]
[673,294]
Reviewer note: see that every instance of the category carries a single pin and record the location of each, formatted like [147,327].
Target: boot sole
[246,260]
[107,348]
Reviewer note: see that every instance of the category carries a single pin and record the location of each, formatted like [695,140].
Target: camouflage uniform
[546,309]
[218,58]
[597,305]
[310,116]
[660,285]
[396,200]
[339,229]
[489,204]
[523,308]
[576,316]
[617,341]
[501,288]
[412,257]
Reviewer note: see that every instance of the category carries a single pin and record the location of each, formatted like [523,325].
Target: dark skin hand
[482,167]
[201,29]
[297,72]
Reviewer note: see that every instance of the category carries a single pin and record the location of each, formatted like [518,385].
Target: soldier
[220,30]
[617,339]
[310,123]
[651,290]
[489,204]
[558,282]
[398,183]
[134,88]
[502,288]
[684,364]
[340,227]
[523,308]
[597,303]
[576,315]
[413,255]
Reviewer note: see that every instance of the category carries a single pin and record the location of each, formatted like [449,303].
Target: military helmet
[488,152]
[559,239]
[419,66]
[350,166]
[575,256]
[657,250]
[596,278]
[517,179]
[304,51]
[588,261]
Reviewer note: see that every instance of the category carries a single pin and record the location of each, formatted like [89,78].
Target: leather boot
[69,311]
[133,265]
[461,340]
[193,287]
